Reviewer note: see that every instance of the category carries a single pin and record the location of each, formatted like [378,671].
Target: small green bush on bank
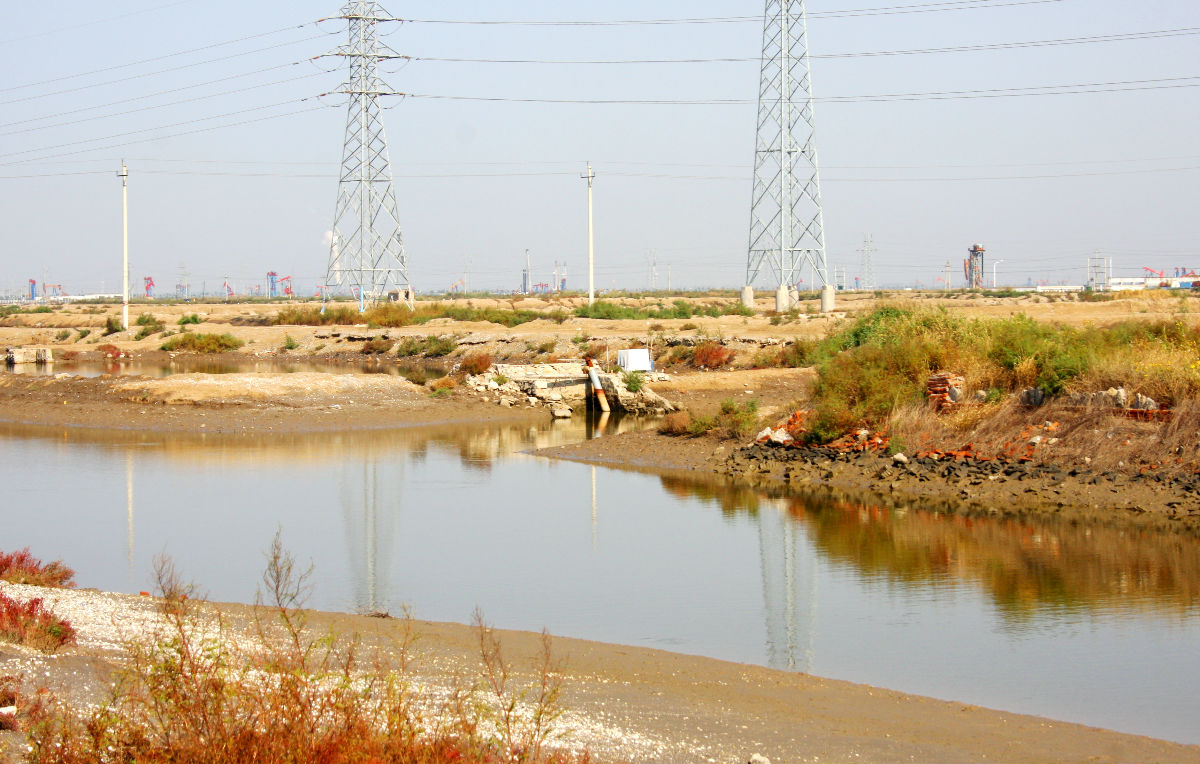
[202,343]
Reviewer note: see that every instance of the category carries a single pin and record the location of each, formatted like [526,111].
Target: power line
[1118,86]
[160,105]
[163,127]
[961,5]
[144,75]
[1094,39]
[188,52]
[59,30]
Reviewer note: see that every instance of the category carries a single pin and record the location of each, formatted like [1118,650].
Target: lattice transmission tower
[785,211]
[867,265]
[366,250]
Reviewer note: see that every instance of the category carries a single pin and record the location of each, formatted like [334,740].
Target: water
[1094,625]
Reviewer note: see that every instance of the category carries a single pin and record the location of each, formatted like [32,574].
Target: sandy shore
[636,704]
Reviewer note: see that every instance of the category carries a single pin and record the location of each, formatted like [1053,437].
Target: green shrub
[433,347]
[63,335]
[83,333]
[377,346]
[289,343]
[191,318]
[150,325]
[733,420]
[798,353]
[311,315]
[112,325]
[634,380]
[203,343]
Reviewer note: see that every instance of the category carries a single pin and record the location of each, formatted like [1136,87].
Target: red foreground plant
[23,568]
[31,624]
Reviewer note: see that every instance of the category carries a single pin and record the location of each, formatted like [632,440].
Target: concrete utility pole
[591,177]
[947,276]
[994,264]
[124,176]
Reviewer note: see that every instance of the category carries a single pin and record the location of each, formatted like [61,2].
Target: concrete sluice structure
[29,355]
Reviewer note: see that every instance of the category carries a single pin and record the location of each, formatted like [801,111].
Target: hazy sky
[233,172]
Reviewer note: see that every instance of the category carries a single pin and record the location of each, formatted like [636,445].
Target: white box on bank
[634,359]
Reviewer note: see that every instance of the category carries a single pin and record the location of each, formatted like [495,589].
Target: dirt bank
[626,703]
[239,403]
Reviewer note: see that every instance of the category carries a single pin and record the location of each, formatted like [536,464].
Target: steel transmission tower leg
[786,227]
[366,252]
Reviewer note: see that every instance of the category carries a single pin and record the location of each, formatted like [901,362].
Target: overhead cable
[961,5]
[1094,39]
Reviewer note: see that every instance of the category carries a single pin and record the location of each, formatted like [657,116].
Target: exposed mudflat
[637,704]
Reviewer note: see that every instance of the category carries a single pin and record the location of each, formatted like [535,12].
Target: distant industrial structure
[973,267]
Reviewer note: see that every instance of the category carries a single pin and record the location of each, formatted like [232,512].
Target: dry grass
[196,691]
[711,355]
[476,363]
[676,423]
[1092,437]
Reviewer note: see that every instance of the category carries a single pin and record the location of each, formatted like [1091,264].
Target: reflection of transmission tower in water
[370,535]
[366,248]
[789,575]
[786,228]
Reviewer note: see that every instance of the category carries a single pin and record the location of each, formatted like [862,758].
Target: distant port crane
[148,285]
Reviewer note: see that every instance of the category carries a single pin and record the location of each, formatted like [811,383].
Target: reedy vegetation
[876,364]
[198,691]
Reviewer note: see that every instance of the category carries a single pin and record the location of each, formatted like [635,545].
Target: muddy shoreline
[631,703]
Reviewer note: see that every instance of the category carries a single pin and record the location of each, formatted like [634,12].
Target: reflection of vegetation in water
[1027,569]
[731,499]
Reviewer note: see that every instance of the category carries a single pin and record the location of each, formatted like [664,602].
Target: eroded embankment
[970,486]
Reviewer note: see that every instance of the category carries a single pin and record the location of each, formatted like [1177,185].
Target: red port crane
[148,285]
[228,289]
[286,283]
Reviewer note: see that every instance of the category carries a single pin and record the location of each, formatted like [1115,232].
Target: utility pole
[124,176]
[786,221]
[947,275]
[668,277]
[591,177]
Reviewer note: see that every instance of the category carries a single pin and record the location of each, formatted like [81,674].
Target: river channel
[1096,625]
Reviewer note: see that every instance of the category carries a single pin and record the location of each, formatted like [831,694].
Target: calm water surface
[1092,625]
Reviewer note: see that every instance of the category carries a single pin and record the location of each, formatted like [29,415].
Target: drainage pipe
[598,388]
